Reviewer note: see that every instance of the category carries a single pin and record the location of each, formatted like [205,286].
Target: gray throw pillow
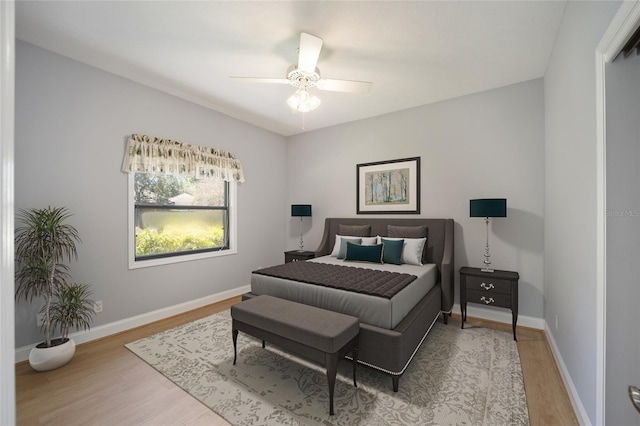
[395,231]
[354,230]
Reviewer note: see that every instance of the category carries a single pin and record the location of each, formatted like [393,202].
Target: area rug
[458,377]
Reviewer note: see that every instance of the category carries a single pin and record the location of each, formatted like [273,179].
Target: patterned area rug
[458,377]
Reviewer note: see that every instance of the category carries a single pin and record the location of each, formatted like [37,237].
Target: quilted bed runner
[360,280]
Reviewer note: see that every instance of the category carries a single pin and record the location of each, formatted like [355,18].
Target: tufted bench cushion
[320,329]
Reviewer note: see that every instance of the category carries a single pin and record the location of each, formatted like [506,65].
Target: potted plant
[43,243]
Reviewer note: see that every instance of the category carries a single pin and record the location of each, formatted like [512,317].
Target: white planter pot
[45,359]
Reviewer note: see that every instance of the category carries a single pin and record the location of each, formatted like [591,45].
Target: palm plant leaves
[33,278]
[44,234]
[72,308]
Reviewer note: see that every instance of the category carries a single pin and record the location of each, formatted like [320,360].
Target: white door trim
[7,307]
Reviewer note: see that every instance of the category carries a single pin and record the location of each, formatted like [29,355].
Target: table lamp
[488,208]
[301,210]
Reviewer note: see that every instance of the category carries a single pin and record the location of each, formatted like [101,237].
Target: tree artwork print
[387,187]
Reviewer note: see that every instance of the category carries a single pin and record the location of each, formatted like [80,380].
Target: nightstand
[296,255]
[498,288]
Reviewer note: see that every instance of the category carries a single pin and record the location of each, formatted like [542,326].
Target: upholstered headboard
[438,249]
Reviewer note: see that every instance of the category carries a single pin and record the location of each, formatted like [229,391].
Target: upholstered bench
[317,334]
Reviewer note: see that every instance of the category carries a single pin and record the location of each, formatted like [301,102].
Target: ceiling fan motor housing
[302,79]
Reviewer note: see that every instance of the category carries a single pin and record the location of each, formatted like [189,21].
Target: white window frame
[232,233]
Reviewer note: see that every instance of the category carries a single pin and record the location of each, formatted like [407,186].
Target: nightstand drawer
[489,298]
[488,285]
[497,288]
[297,255]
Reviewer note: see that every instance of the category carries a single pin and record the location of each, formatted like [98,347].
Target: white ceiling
[414,52]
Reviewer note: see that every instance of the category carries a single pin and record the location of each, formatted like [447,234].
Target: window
[179,218]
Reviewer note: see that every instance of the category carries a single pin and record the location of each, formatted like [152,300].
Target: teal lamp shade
[301,210]
[488,207]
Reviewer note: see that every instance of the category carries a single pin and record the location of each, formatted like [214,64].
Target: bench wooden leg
[396,382]
[234,334]
[354,358]
[331,364]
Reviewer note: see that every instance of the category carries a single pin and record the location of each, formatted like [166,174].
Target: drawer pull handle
[487,287]
[487,301]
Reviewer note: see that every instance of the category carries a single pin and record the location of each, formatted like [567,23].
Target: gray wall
[623,238]
[71,124]
[570,193]
[489,144]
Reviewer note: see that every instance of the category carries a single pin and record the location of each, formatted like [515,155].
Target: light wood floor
[105,384]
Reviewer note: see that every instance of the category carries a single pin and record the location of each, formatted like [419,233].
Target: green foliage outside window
[151,241]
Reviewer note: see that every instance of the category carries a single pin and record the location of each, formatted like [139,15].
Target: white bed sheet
[378,311]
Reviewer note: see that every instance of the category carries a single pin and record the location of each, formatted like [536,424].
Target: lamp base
[487,255]
[301,242]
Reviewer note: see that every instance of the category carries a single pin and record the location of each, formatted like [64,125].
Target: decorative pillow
[355,230]
[396,231]
[392,251]
[411,249]
[369,241]
[343,245]
[357,252]
[366,241]
[420,231]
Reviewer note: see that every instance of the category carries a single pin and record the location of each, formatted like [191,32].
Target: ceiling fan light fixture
[303,101]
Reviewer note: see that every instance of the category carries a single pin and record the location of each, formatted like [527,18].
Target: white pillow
[411,249]
[366,241]
[369,241]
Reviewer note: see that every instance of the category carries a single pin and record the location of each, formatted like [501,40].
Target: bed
[392,325]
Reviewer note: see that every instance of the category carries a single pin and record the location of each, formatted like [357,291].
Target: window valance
[153,155]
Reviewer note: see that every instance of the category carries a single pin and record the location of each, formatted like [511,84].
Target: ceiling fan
[305,75]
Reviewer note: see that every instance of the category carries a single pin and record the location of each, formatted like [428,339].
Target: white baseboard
[503,316]
[576,402]
[22,353]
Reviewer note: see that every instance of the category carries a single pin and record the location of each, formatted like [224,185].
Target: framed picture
[388,187]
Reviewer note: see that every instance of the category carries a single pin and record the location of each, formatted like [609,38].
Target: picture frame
[388,187]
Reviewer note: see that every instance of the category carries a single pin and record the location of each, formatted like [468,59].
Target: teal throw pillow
[343,245]
[393,251]
[357,252]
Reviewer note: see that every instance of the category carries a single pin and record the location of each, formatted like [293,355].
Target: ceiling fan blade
[260,80]
[308,52]
[348,86]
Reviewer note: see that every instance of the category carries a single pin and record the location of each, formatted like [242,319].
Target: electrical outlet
[40,319]
[97,306]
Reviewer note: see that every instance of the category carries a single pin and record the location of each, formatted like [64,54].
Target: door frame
[623,25]
[7,123]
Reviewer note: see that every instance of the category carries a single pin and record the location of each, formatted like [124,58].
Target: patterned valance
[152,155]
